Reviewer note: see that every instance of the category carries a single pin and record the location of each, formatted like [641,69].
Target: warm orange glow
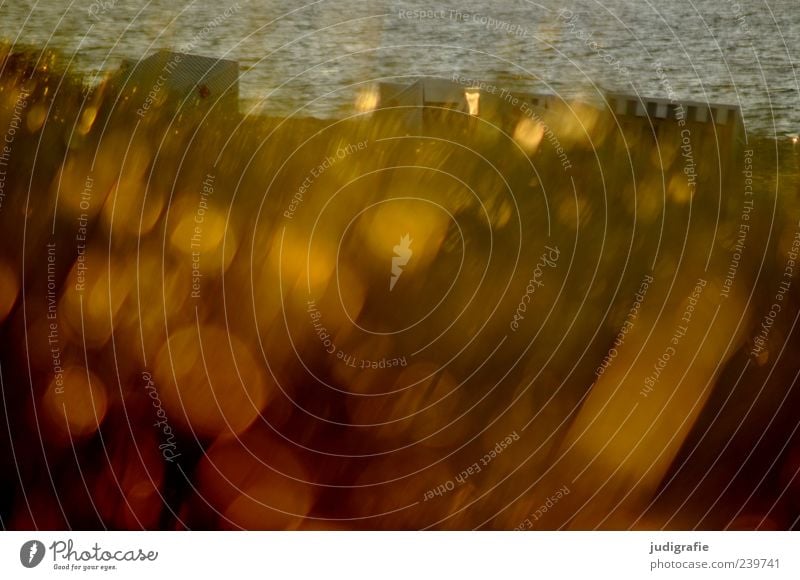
[77,402]
[9,287]
[198,373]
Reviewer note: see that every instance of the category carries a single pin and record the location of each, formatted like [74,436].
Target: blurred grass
[240,360]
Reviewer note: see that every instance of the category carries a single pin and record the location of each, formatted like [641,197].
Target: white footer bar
[401,555]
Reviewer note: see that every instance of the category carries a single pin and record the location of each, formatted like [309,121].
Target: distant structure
[721,121]
[624,105]
[700,141]
[711,132]
[469,96]
[428,99]
[168,77]
[422,101]
[478,98]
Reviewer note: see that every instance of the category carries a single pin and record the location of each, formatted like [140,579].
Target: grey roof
[659,108]
[429,91]
[184,73]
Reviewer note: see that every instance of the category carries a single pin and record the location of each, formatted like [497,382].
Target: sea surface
[316,58]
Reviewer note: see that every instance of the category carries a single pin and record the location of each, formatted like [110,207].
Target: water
[312,59]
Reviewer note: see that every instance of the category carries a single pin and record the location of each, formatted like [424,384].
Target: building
[656,109]
[429,100]
[180,79]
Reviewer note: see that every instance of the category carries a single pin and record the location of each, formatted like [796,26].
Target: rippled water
[313,57]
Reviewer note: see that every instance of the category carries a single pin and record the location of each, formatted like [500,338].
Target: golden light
[473,101]
[9,288]
[255,483]
[76,401]
[198,230]
[127,206]
[528,134]
[87,120]
[35,118]
[367,99]
[679,190]
[210,381]
[425,223]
